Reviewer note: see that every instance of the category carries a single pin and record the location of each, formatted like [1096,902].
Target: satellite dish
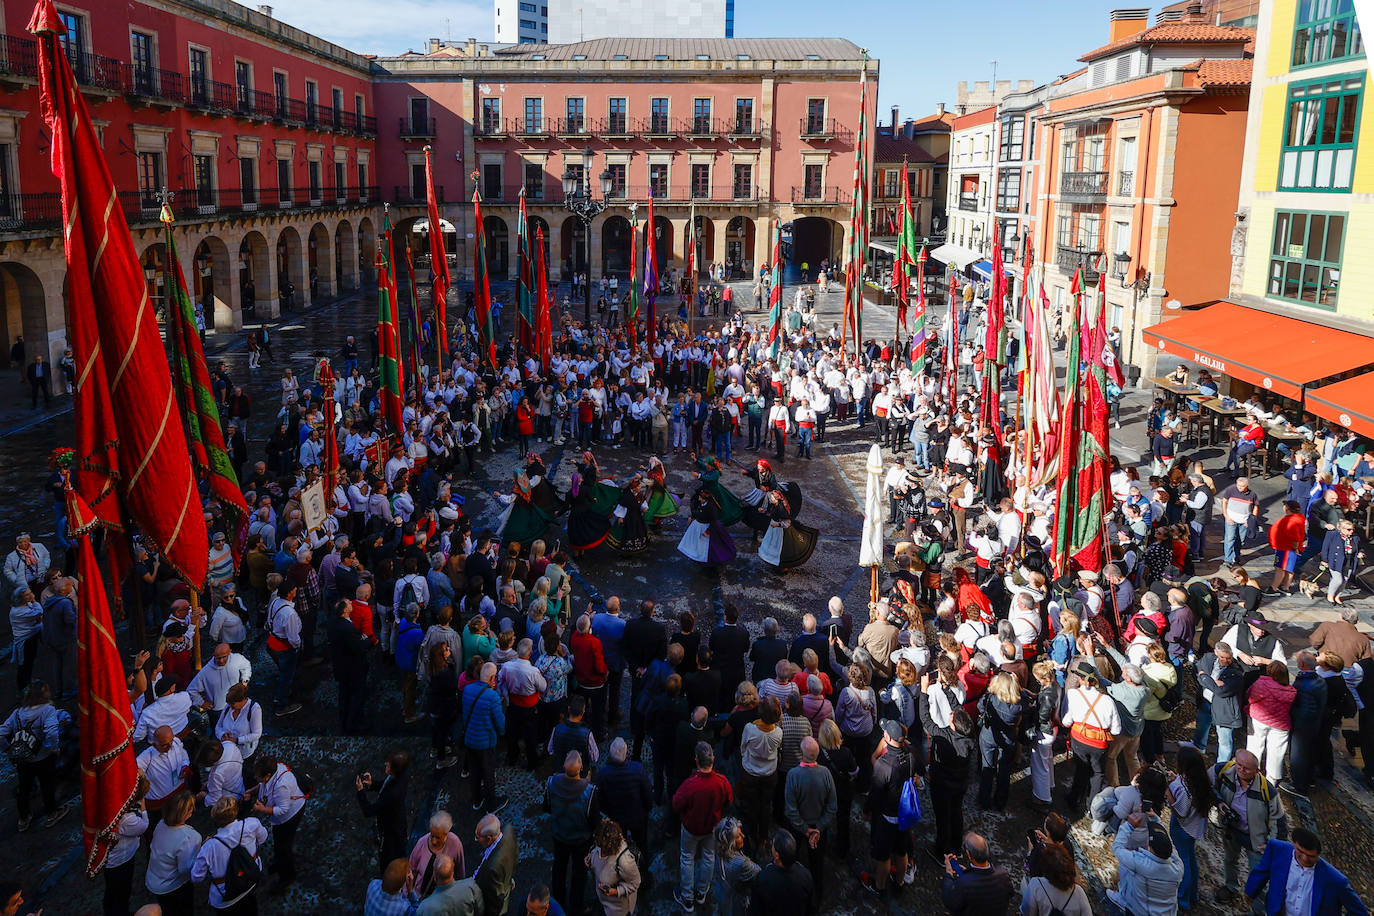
[1173,305]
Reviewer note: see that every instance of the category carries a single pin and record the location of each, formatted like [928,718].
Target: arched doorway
[321,274]
[739,247]
[574,248]
[290,262]
[705,233]
[663,244]
[210,268]
[498,247]
[345,256]
[814,239]
[26,314]
[154,264]
[422,251]
[615,246]
[255,276]
[367,251]
[537,223]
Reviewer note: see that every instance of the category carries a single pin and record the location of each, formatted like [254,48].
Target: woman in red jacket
[524,424]
[1286,536]
[589,665]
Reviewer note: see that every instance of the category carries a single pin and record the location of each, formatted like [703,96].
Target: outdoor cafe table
[1273,438]
[1178,391]
[1219,413]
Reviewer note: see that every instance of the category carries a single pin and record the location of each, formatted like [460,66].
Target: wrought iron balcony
[968,202]
[816,195]
[1084,187]
[417,129]
[1125,184]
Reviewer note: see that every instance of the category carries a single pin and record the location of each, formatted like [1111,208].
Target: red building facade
[263,134]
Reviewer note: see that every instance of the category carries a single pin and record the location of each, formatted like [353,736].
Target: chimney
[472,47]
[939,109]
[483,51]
[895,120]
[434,45]
[265,10]
[1194,13]
[909,129]
[1127,23]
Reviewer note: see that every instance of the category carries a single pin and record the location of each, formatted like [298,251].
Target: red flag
[438,263]
[1103,356]
[486,334]
[544,319]
[129,436]
[105,723]
[651,277]
[329,458]
[995,344]
[390,366]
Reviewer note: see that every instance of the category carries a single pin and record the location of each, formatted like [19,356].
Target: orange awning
[1279,354]
[1350,403]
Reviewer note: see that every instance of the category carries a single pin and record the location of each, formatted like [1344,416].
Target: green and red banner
[481,290]
[438,264]
[632,309]
[196,398]
[858,225]
[389,381]
[775,295]
[544,317]
[650,277]
[524,283]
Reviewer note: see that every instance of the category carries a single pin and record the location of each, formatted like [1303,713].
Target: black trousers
[352,693]
[284,849]
[947,800]
[43,772]
[119,885]
[180,902]
[1089,772]
[27,657]
[522,722]
[614,680]
[482,775]
[596,709]
[779,444]
[569,874]
[814,860]
[636,717]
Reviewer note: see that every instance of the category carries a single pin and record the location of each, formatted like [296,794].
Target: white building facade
[521,21]
[572,21]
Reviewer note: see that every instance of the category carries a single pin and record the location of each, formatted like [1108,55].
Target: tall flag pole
[858,223]
[650,276]
[486,334]
[632,312]
[196,397]
[131,466]
[329,456]
[1079,541]
[543,322]
[414,322]
[952,345]
[905,261]
[995,342]
[524,287]
[438,265]
[388,343]
[691,261]
[775,295]
[918,323]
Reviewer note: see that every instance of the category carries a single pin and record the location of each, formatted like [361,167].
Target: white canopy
[956,256]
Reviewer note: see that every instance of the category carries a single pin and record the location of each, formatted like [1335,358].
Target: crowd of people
[771,755]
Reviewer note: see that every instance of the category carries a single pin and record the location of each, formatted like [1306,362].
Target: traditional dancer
[706,539]
[544,495]
[604,496]
[523,521]
[628,532]
[587,526]
[662,504]
[788,542]
[728,504]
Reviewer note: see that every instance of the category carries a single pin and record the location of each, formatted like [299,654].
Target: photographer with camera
[1250,815]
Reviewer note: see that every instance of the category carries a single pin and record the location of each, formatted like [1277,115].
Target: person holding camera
[1250,815]
[1148,867]
[389,808]
[975,885]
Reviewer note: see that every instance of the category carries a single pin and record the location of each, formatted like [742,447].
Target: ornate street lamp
[1121,263]
[578,200]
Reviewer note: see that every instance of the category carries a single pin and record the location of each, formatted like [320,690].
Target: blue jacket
[409,635]
[626,795]
[610,629]
[1309,706]
[1331,891]
[696,413]
[1333,552]
[484,718]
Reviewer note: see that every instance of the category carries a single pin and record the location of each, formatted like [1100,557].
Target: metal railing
[657,126]
[819,128]
[573,127]
[705,126]
[614,126]
[745,127]
[154,83]
[1083,185]
[404,194]
[211,94]
[416,127]
[531,127]
[968,202]
[18,56]
[490,127]
[820,195]
[1125,184]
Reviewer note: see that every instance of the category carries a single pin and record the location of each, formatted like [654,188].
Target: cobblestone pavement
[334,843]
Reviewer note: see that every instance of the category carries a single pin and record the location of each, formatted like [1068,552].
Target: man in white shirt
[211,683]
[279,797]
[779,425]
[165,765]
[224,776]
[169,709]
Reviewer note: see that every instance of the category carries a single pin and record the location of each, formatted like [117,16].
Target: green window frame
[1326,30]
[1321,128]
[1305,257]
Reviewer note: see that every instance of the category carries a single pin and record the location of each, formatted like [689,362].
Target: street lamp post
[578,200]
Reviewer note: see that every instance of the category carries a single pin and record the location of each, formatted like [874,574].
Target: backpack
[1173,697]
[242,872]
[27,741]
[909,806]
[409,595]
[1054,910]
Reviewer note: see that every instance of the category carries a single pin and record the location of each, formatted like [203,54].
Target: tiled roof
[895,149]
[932,121]
[1225,73]
[690,48]
[1177,33]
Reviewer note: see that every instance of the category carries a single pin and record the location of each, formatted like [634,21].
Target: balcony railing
[18,56]
[746,127]
[614,126]
[491,127]
[532,127]
[817,196]
[573,127]
[968,202]
[1125,184]
[1089,187]
[705,127]
[657,126]
[211,94]
[819,128]
[153,83]
[416,128]
[405,194]
[1070,259]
